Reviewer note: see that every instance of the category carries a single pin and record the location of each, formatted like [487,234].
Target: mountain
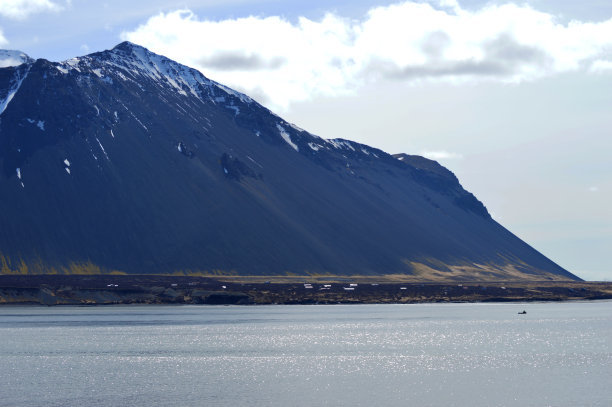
[126,161]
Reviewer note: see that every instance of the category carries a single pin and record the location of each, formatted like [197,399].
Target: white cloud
[440,155]
[601,66]
[593,189]
[266,57]
[20,9]
[280,62]
[3,41]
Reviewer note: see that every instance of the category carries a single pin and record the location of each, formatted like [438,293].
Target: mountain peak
[127,46]
[13,58]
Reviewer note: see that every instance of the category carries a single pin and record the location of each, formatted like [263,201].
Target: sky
[514,97]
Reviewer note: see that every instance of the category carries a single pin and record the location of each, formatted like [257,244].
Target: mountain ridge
[145,165]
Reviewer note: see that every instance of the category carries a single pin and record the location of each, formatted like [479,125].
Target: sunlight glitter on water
[434,354]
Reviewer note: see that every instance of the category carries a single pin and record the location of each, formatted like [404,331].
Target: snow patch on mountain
[241,96]
[297,128]
[314,146]
[14,86]
[67,165]
[72,63]
[341,144]
[102,148]
[255,162]
[134,116]
[234,108]
[287,137]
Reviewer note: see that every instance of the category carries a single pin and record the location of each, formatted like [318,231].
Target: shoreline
[157,289]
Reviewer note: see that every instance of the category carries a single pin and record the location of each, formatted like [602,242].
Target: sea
[484,354]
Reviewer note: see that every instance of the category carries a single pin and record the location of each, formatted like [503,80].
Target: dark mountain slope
[126,161]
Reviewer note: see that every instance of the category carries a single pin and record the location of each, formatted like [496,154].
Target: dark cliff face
[432,175]
[126,161]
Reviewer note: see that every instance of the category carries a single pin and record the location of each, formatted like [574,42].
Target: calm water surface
[559,354]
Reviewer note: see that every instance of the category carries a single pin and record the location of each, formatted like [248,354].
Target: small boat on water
[523,312]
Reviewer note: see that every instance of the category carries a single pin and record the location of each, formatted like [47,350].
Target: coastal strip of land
[161,289]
